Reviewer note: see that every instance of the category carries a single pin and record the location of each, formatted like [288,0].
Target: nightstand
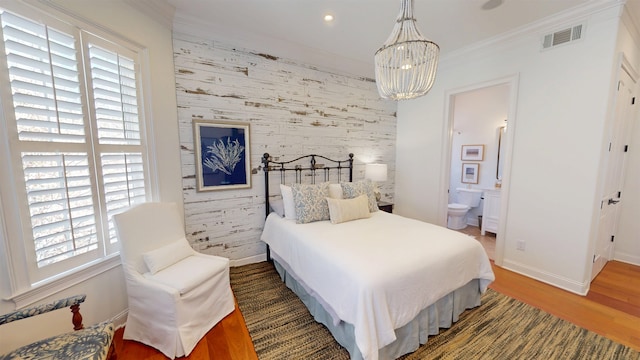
[385,206]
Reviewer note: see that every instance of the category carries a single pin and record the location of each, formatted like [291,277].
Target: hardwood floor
[229,339]
[488,240]
[611,309]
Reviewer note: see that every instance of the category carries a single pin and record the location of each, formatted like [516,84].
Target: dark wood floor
[611,309]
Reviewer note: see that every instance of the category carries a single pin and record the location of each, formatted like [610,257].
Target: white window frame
[26,283]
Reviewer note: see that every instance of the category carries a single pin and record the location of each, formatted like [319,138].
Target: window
[76,150]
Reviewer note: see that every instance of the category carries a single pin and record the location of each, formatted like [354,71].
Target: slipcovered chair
[95,342]
[176,295]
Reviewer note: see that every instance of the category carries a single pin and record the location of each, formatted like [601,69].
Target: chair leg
[112,354]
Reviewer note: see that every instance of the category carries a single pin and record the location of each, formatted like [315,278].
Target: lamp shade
[375,172]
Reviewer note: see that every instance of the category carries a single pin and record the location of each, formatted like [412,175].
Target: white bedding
[377,273]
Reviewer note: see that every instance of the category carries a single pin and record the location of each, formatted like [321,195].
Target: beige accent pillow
[341,210]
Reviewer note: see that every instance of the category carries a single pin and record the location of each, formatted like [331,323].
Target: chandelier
[406,63]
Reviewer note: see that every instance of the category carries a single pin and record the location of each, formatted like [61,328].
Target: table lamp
[376,173]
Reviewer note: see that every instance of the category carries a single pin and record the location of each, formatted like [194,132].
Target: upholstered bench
[94,342]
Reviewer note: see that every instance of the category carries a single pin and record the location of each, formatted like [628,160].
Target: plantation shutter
[45,84]
[60,203]
[124,183]
[81,149]
[115,98]
[115,101]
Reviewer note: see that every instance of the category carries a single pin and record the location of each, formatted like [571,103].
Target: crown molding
[568,17]
[159,10]
[632,22]
[302,52]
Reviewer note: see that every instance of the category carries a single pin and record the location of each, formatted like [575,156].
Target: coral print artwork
[222,155]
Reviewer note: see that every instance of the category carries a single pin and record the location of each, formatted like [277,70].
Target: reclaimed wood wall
[293,109]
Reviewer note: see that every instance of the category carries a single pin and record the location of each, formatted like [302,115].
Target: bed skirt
[442,314]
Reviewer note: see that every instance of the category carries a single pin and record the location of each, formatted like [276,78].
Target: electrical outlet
[520,245]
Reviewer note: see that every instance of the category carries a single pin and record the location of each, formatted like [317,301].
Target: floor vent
[562,37]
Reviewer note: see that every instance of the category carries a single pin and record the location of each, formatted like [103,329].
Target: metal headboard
[299,168]
[314,167]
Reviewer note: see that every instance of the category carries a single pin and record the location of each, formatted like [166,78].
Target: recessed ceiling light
[328,18]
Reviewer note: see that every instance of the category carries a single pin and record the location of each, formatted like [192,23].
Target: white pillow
[289,204]
[335,191]
[277,206]
[341,210]
[167,255]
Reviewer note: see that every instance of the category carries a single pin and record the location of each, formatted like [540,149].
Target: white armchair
[176,295]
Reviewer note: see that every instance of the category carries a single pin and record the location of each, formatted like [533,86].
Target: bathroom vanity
[490,211]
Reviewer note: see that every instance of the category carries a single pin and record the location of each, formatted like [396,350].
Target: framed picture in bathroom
[472,152]
[470,173]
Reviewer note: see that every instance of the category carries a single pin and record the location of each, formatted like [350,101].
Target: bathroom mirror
[501,149]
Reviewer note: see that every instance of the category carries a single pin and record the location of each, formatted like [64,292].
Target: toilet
[457,212]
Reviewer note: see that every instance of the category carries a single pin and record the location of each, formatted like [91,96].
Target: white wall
[477,116]
[293,109]
[561,111]
[106,294]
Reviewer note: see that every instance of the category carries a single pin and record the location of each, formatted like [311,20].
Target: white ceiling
[361,26]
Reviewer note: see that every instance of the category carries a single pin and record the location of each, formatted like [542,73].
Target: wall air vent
[562,37]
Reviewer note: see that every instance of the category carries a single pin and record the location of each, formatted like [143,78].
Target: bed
[380,283]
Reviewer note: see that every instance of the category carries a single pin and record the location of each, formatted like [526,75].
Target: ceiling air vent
[562,37]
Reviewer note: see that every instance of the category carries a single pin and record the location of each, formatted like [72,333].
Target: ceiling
[361,26]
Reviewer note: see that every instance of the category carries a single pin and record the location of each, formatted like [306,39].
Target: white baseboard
[248,260]
[627,258]
[549,278]
[120,319]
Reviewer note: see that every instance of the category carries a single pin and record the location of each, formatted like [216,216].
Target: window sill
[47,288]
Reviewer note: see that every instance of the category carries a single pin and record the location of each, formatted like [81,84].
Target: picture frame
[222,155]
[470,172]
[472,153]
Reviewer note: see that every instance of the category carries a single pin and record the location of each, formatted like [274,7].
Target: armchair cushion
[165,256]
[89,343]
[190,272]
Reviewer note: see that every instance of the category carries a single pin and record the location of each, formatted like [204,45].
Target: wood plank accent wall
[292,108]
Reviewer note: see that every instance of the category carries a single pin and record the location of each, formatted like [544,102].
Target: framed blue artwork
[222,155]
[470,172]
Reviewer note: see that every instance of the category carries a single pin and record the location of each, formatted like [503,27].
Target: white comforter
[377,273]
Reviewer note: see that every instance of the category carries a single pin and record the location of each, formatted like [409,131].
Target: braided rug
[501,328]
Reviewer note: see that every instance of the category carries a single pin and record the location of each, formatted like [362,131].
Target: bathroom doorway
[480,123]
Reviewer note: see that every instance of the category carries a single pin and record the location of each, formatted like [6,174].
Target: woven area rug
[501,328]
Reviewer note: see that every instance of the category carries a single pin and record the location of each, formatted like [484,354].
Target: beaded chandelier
[406,63]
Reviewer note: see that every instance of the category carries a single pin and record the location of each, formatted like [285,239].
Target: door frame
[624,65]
[445,172]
